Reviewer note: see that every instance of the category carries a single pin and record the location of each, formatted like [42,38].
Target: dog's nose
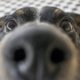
[22,47]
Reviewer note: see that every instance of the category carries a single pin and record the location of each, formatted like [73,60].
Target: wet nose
[23,48]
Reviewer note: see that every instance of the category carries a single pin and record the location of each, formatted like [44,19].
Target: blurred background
[9,6]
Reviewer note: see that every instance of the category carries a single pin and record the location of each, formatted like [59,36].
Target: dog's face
[43,50]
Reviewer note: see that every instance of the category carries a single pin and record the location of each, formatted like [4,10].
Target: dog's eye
[11,25]
[66,26]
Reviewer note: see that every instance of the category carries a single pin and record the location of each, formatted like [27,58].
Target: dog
[40,45]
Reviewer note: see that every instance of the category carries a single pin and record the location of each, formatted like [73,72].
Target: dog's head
[44,48]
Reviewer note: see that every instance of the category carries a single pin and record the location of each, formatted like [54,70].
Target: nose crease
[40,68]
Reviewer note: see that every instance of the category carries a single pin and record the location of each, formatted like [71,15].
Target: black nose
[22,46]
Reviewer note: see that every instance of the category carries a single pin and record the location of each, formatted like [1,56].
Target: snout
[35,51]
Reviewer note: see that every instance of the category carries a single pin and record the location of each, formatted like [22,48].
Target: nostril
[19,55]
[57,56]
